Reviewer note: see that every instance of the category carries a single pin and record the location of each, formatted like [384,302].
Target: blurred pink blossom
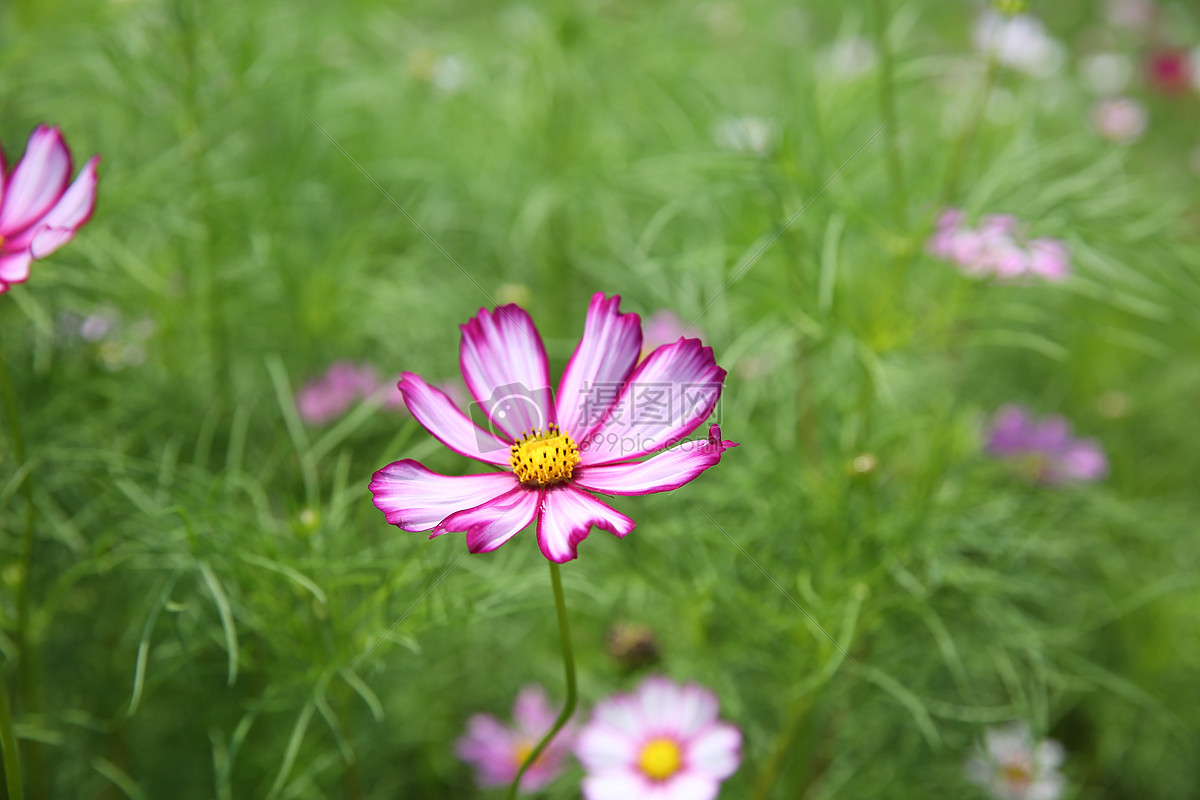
[997,248]
[1119,119]
[328,397]
[497,751]
[665,327]
[1045,446]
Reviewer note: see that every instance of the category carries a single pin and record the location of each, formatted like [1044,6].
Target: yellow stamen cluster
[1016,773]
[660,759]
[541,459]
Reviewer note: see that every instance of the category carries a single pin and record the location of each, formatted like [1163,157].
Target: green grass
[209,572]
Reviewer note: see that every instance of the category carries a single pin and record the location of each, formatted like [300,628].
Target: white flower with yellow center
[1011,765]
[663,741]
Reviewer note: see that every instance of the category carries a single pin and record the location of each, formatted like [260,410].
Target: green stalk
[8,743]
[887,102]
[968,134]
[564,633]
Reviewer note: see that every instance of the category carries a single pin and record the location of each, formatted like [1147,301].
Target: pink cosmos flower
[498,751]
[1046,446]
[1011,765]
[554,451]
[997,248]
[39,212]
[328,397]
[662,742]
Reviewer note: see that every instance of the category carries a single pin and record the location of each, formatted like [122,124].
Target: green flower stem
[564,634]
[974,118]
[887,103]
[8,743]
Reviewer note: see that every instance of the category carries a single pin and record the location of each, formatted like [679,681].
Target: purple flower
[662,741]
[1045,447]
[997,248]
[39,212]
[498,751]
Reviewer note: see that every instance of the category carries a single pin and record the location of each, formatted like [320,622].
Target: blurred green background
[209,569]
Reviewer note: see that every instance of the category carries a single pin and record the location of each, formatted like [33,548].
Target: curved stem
[8,743]
[564,634]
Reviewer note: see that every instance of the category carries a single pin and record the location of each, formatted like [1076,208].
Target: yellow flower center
[660,759]
[1015,773]
[541,459]
[521,754]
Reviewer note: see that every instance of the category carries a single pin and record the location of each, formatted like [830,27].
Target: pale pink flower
[1134,14]
[610,410]
[328,397]
[1011,765]
[1019,41]
[1045,447]
[497,751]
[1119,119]
[661,742]
[39,212]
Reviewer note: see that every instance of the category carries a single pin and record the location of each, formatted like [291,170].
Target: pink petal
[689,786]
[716,752]
[568,516]
[493,523]
[72,210]
[605,356]
[532,711]
[415,499]
[622,785]
[14,267]
[434,409]
[504,364]
[698,707]
[1048,258]
[601,746]
[666,397]
[37,182]
[619,711]
[663,472]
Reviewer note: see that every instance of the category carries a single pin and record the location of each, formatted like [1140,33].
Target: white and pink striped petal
[607,353]
[504,365]
[493,523]
[416,499]
[37,182]
[438,414]
[666,397]
[660,473]
[567,518]
[70,212]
